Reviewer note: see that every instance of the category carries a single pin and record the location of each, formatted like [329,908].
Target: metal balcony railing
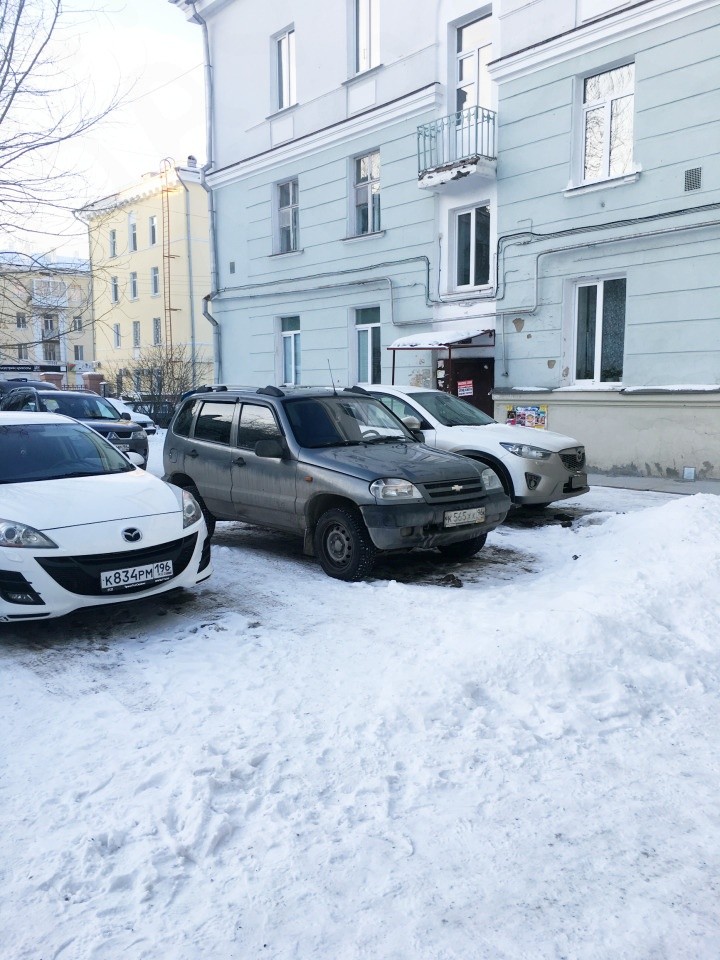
[462,136]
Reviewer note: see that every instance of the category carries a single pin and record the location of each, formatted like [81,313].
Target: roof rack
[356,389]
[271,391]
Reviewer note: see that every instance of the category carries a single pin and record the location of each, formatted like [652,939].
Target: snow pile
[291,767]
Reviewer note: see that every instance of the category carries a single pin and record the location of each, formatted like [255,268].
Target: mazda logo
[132,535]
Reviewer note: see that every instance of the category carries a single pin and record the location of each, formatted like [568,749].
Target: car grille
[119,433]
[573,459]
[81,575]
[453,491]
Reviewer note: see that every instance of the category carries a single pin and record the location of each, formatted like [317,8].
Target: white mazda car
[80,525]
[535,467]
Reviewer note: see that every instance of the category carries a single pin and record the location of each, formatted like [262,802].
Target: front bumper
[551,488]
[401,526]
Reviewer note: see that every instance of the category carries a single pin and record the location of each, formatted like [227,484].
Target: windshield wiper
[397,439]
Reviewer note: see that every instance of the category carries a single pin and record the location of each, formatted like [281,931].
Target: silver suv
[337,468]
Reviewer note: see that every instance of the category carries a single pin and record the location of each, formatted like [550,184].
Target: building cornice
[412,104]
[594,34]
[149,186]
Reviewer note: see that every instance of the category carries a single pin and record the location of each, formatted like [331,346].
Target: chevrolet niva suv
[335,467]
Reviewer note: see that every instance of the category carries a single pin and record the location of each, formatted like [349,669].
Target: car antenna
[332,379]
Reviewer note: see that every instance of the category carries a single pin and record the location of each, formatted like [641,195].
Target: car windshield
[81,406]
[451,411]
[343,420]
[55,451]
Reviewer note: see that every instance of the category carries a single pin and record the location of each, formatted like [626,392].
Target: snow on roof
[437,339]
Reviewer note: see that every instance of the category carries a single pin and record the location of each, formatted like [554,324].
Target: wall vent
[693,178]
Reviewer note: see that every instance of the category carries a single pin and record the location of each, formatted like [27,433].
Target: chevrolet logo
[456,488]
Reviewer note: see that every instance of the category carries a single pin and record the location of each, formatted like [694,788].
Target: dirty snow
[278,765]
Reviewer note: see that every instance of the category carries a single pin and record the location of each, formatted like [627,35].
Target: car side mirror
[125,415]
[273,448]
[412,423]
[135,458]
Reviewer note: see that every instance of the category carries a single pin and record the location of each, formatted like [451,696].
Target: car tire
[464,550]
[209,518]
[343,545]
[506,482]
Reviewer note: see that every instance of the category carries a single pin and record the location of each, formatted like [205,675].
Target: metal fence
[461,136]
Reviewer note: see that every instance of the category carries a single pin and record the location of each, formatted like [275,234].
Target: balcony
[457,146]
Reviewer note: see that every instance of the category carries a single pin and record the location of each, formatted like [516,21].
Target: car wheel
[463,550]
[343,545]
[209,518]
[501,475]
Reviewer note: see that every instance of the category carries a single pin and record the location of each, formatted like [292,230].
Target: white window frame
[157,331]
[77,324]
[136,334]
[366,35]
[114,290]
[284,69]
[117,336]
[132,233]
[22,351]
[365,376]
[154,281]
[49,323]
[478,57]
[152,230]
[577,286]
[582,111]
[290,352]
[21,321]
[133,285]
[289,212]
[78,351]
[455,248]
[112,243]
[368,189]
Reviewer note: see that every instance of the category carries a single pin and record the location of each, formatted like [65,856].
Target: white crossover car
[535,467]
[80,525]
[147,423]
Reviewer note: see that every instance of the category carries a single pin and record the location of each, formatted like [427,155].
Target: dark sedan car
[89,408]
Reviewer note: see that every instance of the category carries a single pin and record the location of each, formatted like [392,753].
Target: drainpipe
[216,337]
[191,283]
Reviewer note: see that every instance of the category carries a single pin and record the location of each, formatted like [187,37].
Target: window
[184,419]
[22,351]
[600,331]
[112,246]
[136,333]
[157,332]
[21,321]
[116,335]
[114,290]
[473,53]
[78,353]
[288,216]
[132,233]
[155,281]
[607,123]
[50,353]
[49,325]
[367,34]
[285,60]
[367,328]
[256,423]
[472,247]
[367,193]
[290,332]
[77,324]
[137,380]
[133,286]
[152,230]
[214,422]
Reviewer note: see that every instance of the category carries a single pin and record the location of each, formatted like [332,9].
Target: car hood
[505,433]
[410,461]
[108,426]
[55,504]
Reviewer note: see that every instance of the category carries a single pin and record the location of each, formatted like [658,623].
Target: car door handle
[239,461]
[193,454]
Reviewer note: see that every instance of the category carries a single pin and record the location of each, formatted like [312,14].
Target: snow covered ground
[515,757]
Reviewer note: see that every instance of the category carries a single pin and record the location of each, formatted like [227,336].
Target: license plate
[132,576]
[456,518]
[578,481]
[124,447]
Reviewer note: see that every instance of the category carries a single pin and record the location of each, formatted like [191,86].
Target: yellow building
[46,317]
[150,262]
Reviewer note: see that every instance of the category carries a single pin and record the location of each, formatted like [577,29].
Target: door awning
[441,340]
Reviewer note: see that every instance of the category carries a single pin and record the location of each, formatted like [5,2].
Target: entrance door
[473,380]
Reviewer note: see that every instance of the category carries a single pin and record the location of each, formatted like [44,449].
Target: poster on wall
[532,416]
[465,388]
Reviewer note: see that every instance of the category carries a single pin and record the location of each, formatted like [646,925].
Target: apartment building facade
[149,254]
[609,212]
[46,316]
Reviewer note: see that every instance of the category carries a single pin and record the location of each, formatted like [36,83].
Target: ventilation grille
[693,179]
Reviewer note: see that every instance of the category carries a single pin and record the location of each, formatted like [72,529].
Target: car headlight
[526,451]
[139,435]
[491,481]
[20,535]
[190,508]
[395,489]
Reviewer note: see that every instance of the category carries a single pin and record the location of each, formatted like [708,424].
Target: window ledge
[289,253]
[573,189]
[283,112]
[361,76]
[363,236]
